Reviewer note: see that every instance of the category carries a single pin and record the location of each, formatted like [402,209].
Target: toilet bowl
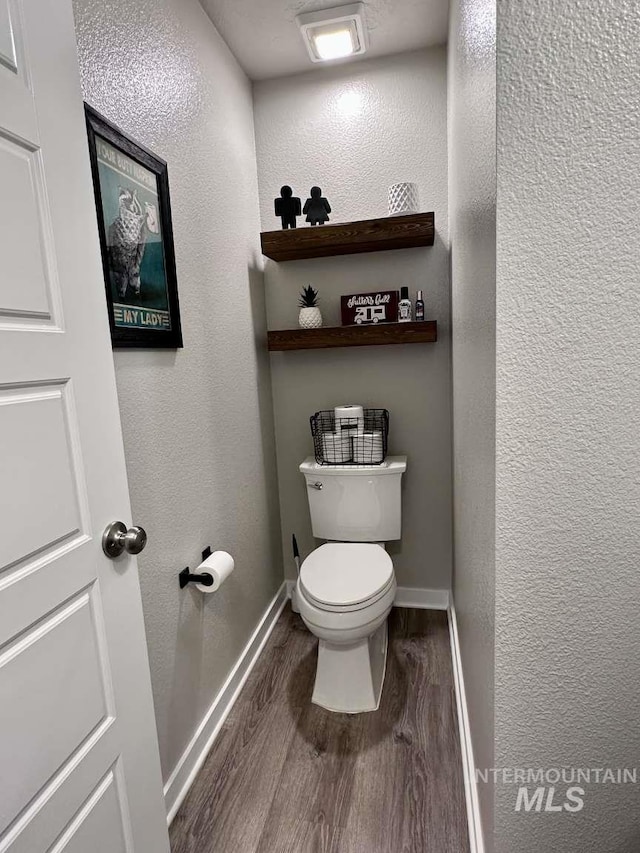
[345,592]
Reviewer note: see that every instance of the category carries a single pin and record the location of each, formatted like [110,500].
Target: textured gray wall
[472,205]
[568,398]
[197,422]
[353,131]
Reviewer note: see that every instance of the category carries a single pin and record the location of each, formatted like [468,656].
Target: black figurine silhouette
[317,208]
[287,207]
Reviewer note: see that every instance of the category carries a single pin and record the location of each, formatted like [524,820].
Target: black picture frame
[136,242]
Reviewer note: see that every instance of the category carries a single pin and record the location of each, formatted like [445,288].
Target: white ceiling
[265,38]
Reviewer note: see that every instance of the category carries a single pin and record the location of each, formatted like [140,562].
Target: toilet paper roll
[349,419]
[219,565]
[336,447]
[368,448]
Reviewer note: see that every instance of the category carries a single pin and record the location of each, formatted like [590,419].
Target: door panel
[18,109]
[26,275]
[52,697]
[52,812]
[79,766]
[37,586]
[43,505]
[99,825]
[7,47]
[24,288]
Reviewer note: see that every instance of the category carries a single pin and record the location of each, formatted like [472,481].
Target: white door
[79,766]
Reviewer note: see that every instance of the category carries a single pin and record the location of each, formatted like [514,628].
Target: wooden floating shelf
[382,334]
[350,238]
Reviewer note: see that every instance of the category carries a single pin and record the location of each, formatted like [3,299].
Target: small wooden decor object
[367,308]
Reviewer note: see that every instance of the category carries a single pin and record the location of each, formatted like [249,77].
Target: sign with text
[366,308]
[136,238]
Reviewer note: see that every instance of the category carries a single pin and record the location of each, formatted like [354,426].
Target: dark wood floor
[285,776]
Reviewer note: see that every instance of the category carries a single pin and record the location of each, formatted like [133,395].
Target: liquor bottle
[404,306]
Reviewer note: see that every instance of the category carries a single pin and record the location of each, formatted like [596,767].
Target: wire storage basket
[360,440]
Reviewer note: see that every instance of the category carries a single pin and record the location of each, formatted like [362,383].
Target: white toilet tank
[356,503]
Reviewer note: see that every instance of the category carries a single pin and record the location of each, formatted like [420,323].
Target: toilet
[347,586]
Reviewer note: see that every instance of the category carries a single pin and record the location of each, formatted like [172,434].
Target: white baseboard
[476,841]
[422,599]
[194,755]
[407,596]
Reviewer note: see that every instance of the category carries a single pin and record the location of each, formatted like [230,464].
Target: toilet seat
[346,576]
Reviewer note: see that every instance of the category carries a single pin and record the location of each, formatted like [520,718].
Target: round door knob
[116,539]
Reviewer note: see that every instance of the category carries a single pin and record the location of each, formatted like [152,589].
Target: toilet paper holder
[185,576]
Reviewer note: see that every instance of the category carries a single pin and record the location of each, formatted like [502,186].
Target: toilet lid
[342,574]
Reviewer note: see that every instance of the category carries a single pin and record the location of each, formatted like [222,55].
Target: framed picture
[136,238]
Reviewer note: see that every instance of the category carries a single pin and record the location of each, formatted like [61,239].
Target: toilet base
[349,678]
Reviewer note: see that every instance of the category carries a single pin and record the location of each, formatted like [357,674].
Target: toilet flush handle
[317,486]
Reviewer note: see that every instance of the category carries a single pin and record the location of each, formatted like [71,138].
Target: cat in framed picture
[127,237]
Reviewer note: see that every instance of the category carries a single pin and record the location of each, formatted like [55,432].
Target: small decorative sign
[366,308]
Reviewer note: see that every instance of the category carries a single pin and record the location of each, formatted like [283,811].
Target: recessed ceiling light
[334,33]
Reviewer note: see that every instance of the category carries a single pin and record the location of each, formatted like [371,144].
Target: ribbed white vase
[403,198]
[310,318]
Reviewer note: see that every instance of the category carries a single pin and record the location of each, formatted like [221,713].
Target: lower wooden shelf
[382,334]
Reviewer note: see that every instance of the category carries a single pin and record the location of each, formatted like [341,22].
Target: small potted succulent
[310,316]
